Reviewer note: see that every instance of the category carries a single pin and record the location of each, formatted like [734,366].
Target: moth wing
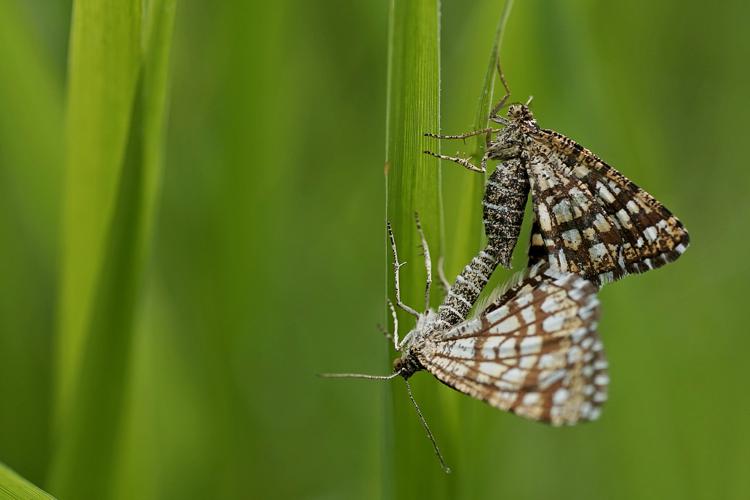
[535,352]
[638,229]
[571,230]
[537,249]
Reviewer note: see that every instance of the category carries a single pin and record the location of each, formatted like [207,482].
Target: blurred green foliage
[263,257]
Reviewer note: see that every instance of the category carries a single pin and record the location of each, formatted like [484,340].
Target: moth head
[522,113]
[407,365]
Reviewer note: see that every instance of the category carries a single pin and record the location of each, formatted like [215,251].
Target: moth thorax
[425,321]
[508,145]
[521,112]
[407,364]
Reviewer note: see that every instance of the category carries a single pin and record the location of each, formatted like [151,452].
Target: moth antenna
[506,87]
[360,375]
[445,467]
[528,101]
[495,110]
[498,43]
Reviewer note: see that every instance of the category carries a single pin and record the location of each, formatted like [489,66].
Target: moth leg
[500,119]
[427,263]
[461,161]
[394,335]
[486,156]
[383,330]
[487,130]
[396,267]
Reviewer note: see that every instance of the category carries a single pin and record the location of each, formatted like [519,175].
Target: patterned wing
[624,231]
[535,351]
[571,229]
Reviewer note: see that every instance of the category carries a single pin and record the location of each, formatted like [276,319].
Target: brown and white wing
[637,231]
[571,231]
[534,352]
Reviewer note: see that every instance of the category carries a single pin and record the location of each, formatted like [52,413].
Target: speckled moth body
[503,207]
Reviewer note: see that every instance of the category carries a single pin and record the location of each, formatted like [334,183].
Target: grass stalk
[31,98]
[116,96]
[14,486]
[469,234]
[413,185]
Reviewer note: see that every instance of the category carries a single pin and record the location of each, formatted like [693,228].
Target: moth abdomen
[503,208]
[467,288]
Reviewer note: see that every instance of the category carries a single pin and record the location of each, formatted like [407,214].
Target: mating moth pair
[535,350]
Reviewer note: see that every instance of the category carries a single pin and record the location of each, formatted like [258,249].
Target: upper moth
[589,219]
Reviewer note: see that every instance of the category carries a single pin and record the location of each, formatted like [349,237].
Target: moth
[589,219]
[533,350]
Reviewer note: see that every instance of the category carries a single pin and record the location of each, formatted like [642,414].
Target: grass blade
[469,233]
[103,68]
[14,486]
[115,121]
[474,455]
[31,99]
[413,185]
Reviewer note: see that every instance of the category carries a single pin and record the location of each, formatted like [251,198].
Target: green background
[266,261]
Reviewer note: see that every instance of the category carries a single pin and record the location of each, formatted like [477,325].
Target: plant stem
[413,185]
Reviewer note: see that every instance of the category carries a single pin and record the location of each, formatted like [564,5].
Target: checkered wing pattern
[534,351]
[590,219]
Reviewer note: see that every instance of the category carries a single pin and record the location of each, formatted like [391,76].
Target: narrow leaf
[469,234]
[413,185]
[109,225]
[13,486]
[103,69]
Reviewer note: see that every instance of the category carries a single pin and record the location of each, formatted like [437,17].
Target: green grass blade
[486,98]
[104,61]
[468,234]
[13,486]
[413,185]
[116,113]
[31,100]
[157,45]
